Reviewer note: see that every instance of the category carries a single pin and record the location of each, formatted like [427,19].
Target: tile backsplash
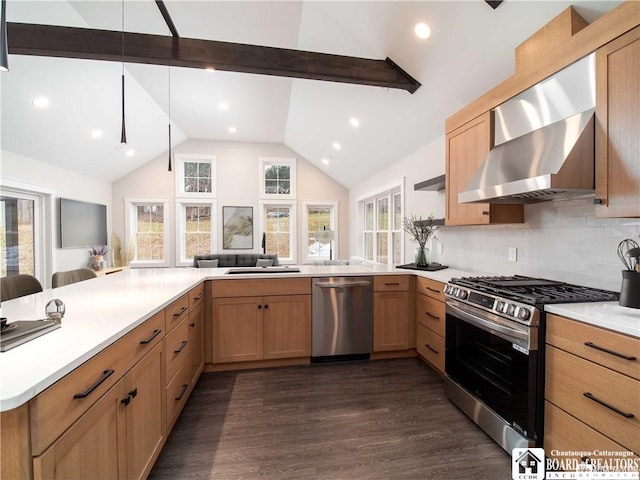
[560,240]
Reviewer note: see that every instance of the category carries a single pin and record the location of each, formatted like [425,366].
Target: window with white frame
[195,175]
[319,217]
[147,227]
[195,230]
[277,177]
[381,227]
[278,222]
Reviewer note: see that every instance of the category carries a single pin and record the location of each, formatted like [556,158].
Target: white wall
[237,171]
[65,184]
[560,240]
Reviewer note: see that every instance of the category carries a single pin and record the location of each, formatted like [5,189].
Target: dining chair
[72,276]
[16,286]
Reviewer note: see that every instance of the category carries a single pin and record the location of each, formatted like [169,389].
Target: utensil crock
[630,290]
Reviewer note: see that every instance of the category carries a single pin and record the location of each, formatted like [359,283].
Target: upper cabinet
[618,127]
[467,147]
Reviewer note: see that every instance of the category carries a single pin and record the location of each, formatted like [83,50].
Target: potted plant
[421,232]
[97,253]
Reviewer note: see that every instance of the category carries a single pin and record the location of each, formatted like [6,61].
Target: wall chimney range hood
[544,142]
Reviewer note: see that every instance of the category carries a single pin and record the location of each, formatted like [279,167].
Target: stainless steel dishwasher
[342,318]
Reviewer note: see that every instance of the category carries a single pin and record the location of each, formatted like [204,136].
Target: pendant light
[123,133]
[4,47]
[169,90]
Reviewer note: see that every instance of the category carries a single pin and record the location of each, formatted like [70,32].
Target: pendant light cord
[123,134]
[169,95]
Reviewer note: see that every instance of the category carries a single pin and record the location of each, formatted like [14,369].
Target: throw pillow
[264,262]
[208,263]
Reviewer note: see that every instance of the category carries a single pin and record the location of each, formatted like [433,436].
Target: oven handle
[502,331]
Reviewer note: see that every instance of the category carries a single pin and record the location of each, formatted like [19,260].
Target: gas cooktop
[535,291]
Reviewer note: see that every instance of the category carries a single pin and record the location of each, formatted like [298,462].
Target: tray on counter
[432,267]
[22,331]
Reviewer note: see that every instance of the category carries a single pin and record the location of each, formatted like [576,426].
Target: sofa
[235,260]
[352,261]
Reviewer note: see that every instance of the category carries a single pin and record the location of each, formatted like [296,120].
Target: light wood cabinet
[196,342]
[466,149]
[392,317]
[592,385]
[286,327]
[618,127]
[430,322]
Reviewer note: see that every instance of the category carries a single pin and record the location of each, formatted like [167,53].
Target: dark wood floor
[364,420]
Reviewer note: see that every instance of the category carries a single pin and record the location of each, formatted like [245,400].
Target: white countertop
[101,310]
[608,315]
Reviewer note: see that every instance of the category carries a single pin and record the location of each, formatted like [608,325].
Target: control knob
[500,306]
[511,310]
[462,294]
[524,314]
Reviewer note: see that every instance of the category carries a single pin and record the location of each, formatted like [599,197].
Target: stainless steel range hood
[544,141]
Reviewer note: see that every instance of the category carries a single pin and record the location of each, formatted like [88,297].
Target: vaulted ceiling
[471,50]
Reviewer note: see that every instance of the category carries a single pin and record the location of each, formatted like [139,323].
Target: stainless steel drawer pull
[185,386]
[431,348]
[182,310]
[181,347]
[106,374]
[611,352]
[590,396]
[153,335]
[435,317]
[433,289]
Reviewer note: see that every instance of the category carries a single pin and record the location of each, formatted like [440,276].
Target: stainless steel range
[494,360]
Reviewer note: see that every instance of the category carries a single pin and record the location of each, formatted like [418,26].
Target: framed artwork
[237,228]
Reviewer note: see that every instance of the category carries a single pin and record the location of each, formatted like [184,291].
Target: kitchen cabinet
[618,127]
[430,322]
[197,310]
[592,392]
[466,148]
[249,327]
[392,319]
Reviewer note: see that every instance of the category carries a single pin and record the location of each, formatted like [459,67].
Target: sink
[261,270]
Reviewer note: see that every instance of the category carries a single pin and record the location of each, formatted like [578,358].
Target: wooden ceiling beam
[90,44]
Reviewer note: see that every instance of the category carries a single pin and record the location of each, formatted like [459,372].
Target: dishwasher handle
[347,284]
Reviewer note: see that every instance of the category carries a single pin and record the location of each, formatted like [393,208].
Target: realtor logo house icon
[527,464]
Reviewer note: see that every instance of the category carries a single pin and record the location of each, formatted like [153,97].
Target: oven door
[487,357]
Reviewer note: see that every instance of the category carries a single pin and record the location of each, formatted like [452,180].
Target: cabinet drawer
[175,312]
[569,378]
[430,313]
[431,347]
[60,405]
[430,287]
[252,288]
[564,433]
[391,283]
[177,348]
[177,394]
[196,297]
[610,349]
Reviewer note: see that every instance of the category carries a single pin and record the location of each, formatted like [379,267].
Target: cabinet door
[467,147]
[287,326]
[94,446]
[618,127]
[390,321]
[196,341]
[237,329]
[145,421]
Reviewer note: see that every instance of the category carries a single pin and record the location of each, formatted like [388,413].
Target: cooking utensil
[623,247]
[635,254]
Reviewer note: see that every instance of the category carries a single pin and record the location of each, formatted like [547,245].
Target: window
[195,230]
[277,178]
[319,216]
[277,221]
[147,227]
[26,236]
[195,175]
[381,226]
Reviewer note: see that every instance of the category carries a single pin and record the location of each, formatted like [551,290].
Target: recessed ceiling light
[354,122]
[326,160]
[210,69]
[337,146]
[96,133]
[223,106]
[130,153]
[233,129]
[422,30]
[41,102]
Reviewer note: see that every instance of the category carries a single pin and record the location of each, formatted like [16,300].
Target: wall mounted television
[82,224]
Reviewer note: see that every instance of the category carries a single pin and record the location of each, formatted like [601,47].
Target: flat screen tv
[82,224]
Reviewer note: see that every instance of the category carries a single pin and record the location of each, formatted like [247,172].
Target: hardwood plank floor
[386,419]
